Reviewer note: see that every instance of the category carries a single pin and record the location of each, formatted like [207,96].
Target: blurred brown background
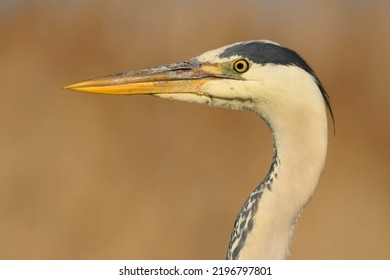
[87,176]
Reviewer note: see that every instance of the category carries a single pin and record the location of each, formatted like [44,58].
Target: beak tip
[74,87]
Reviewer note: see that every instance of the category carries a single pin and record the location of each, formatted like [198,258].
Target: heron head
[246,75]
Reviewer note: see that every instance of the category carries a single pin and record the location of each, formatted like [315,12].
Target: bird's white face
[234,85]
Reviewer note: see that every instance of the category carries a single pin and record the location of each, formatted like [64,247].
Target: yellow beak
[183,77]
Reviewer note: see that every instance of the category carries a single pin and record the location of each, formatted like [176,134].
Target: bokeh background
[86,176]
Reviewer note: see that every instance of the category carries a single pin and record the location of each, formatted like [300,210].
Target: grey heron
[277,85]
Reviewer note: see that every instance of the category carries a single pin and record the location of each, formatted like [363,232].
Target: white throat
[299,129]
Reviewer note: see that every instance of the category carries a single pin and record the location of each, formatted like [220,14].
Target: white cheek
[227,89]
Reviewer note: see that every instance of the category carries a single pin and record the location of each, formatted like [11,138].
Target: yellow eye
[241,66]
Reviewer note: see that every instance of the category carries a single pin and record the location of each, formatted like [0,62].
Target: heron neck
[265,226]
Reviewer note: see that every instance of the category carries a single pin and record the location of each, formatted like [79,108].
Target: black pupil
[240,66]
